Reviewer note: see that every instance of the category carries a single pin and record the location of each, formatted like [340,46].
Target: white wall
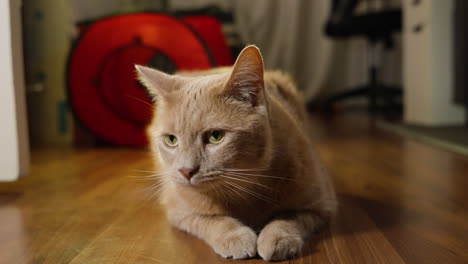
[13,135]
[428,64]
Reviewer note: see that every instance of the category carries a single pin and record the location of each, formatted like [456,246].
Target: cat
[237,168]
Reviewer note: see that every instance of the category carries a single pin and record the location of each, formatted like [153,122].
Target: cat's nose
[189,172]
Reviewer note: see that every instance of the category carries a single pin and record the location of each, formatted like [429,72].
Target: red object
[104,93]
[210,30]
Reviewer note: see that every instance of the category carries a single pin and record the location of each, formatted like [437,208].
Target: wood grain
[400,202]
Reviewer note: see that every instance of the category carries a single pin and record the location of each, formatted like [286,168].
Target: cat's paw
[275,244]
[240,243]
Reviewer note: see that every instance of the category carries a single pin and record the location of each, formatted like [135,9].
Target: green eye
[171,140]
[215,136]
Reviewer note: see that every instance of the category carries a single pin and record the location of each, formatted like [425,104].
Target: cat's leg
[284,236]
[226,235]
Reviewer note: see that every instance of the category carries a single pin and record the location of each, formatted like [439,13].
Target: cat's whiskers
[147,175]
[141,101]
[231,194]
[151,192]
[143,171]
[157,184]
[243,179]
[145,178]
[242,170]
[156,191]
[214,189]
[157,187]
[252,193]
[257,175]
[220,193]
[150,175]
[227,195]
[235,192]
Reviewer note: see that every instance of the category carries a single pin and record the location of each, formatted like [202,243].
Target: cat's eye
[171,140]
[215,136]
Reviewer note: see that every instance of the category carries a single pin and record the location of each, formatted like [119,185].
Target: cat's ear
[246,81]
[156,82]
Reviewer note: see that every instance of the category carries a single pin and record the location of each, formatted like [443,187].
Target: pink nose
[188,172]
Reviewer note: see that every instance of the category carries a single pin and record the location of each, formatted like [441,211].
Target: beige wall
[48,32]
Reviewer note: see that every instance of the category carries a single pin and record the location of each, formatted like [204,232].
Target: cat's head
[206,124]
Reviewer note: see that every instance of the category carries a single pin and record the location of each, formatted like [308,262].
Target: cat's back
[281,89]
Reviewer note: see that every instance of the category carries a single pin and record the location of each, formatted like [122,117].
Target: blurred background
[401,61]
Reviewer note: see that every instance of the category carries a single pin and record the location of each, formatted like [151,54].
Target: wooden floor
[401,202]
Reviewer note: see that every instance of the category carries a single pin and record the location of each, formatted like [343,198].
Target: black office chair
[376,26]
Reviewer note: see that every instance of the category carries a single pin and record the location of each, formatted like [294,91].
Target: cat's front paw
[275,244]
[240,243]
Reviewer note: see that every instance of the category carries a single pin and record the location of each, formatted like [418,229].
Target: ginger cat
[237,167]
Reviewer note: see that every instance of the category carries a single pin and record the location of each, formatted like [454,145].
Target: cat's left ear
[156,82]
[246,81]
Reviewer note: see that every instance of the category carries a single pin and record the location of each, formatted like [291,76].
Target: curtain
[289,34]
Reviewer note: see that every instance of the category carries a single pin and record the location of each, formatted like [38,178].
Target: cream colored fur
[263,189]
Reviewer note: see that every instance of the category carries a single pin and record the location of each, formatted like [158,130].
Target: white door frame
[14,145]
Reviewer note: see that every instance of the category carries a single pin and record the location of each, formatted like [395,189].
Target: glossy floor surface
[400,202]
